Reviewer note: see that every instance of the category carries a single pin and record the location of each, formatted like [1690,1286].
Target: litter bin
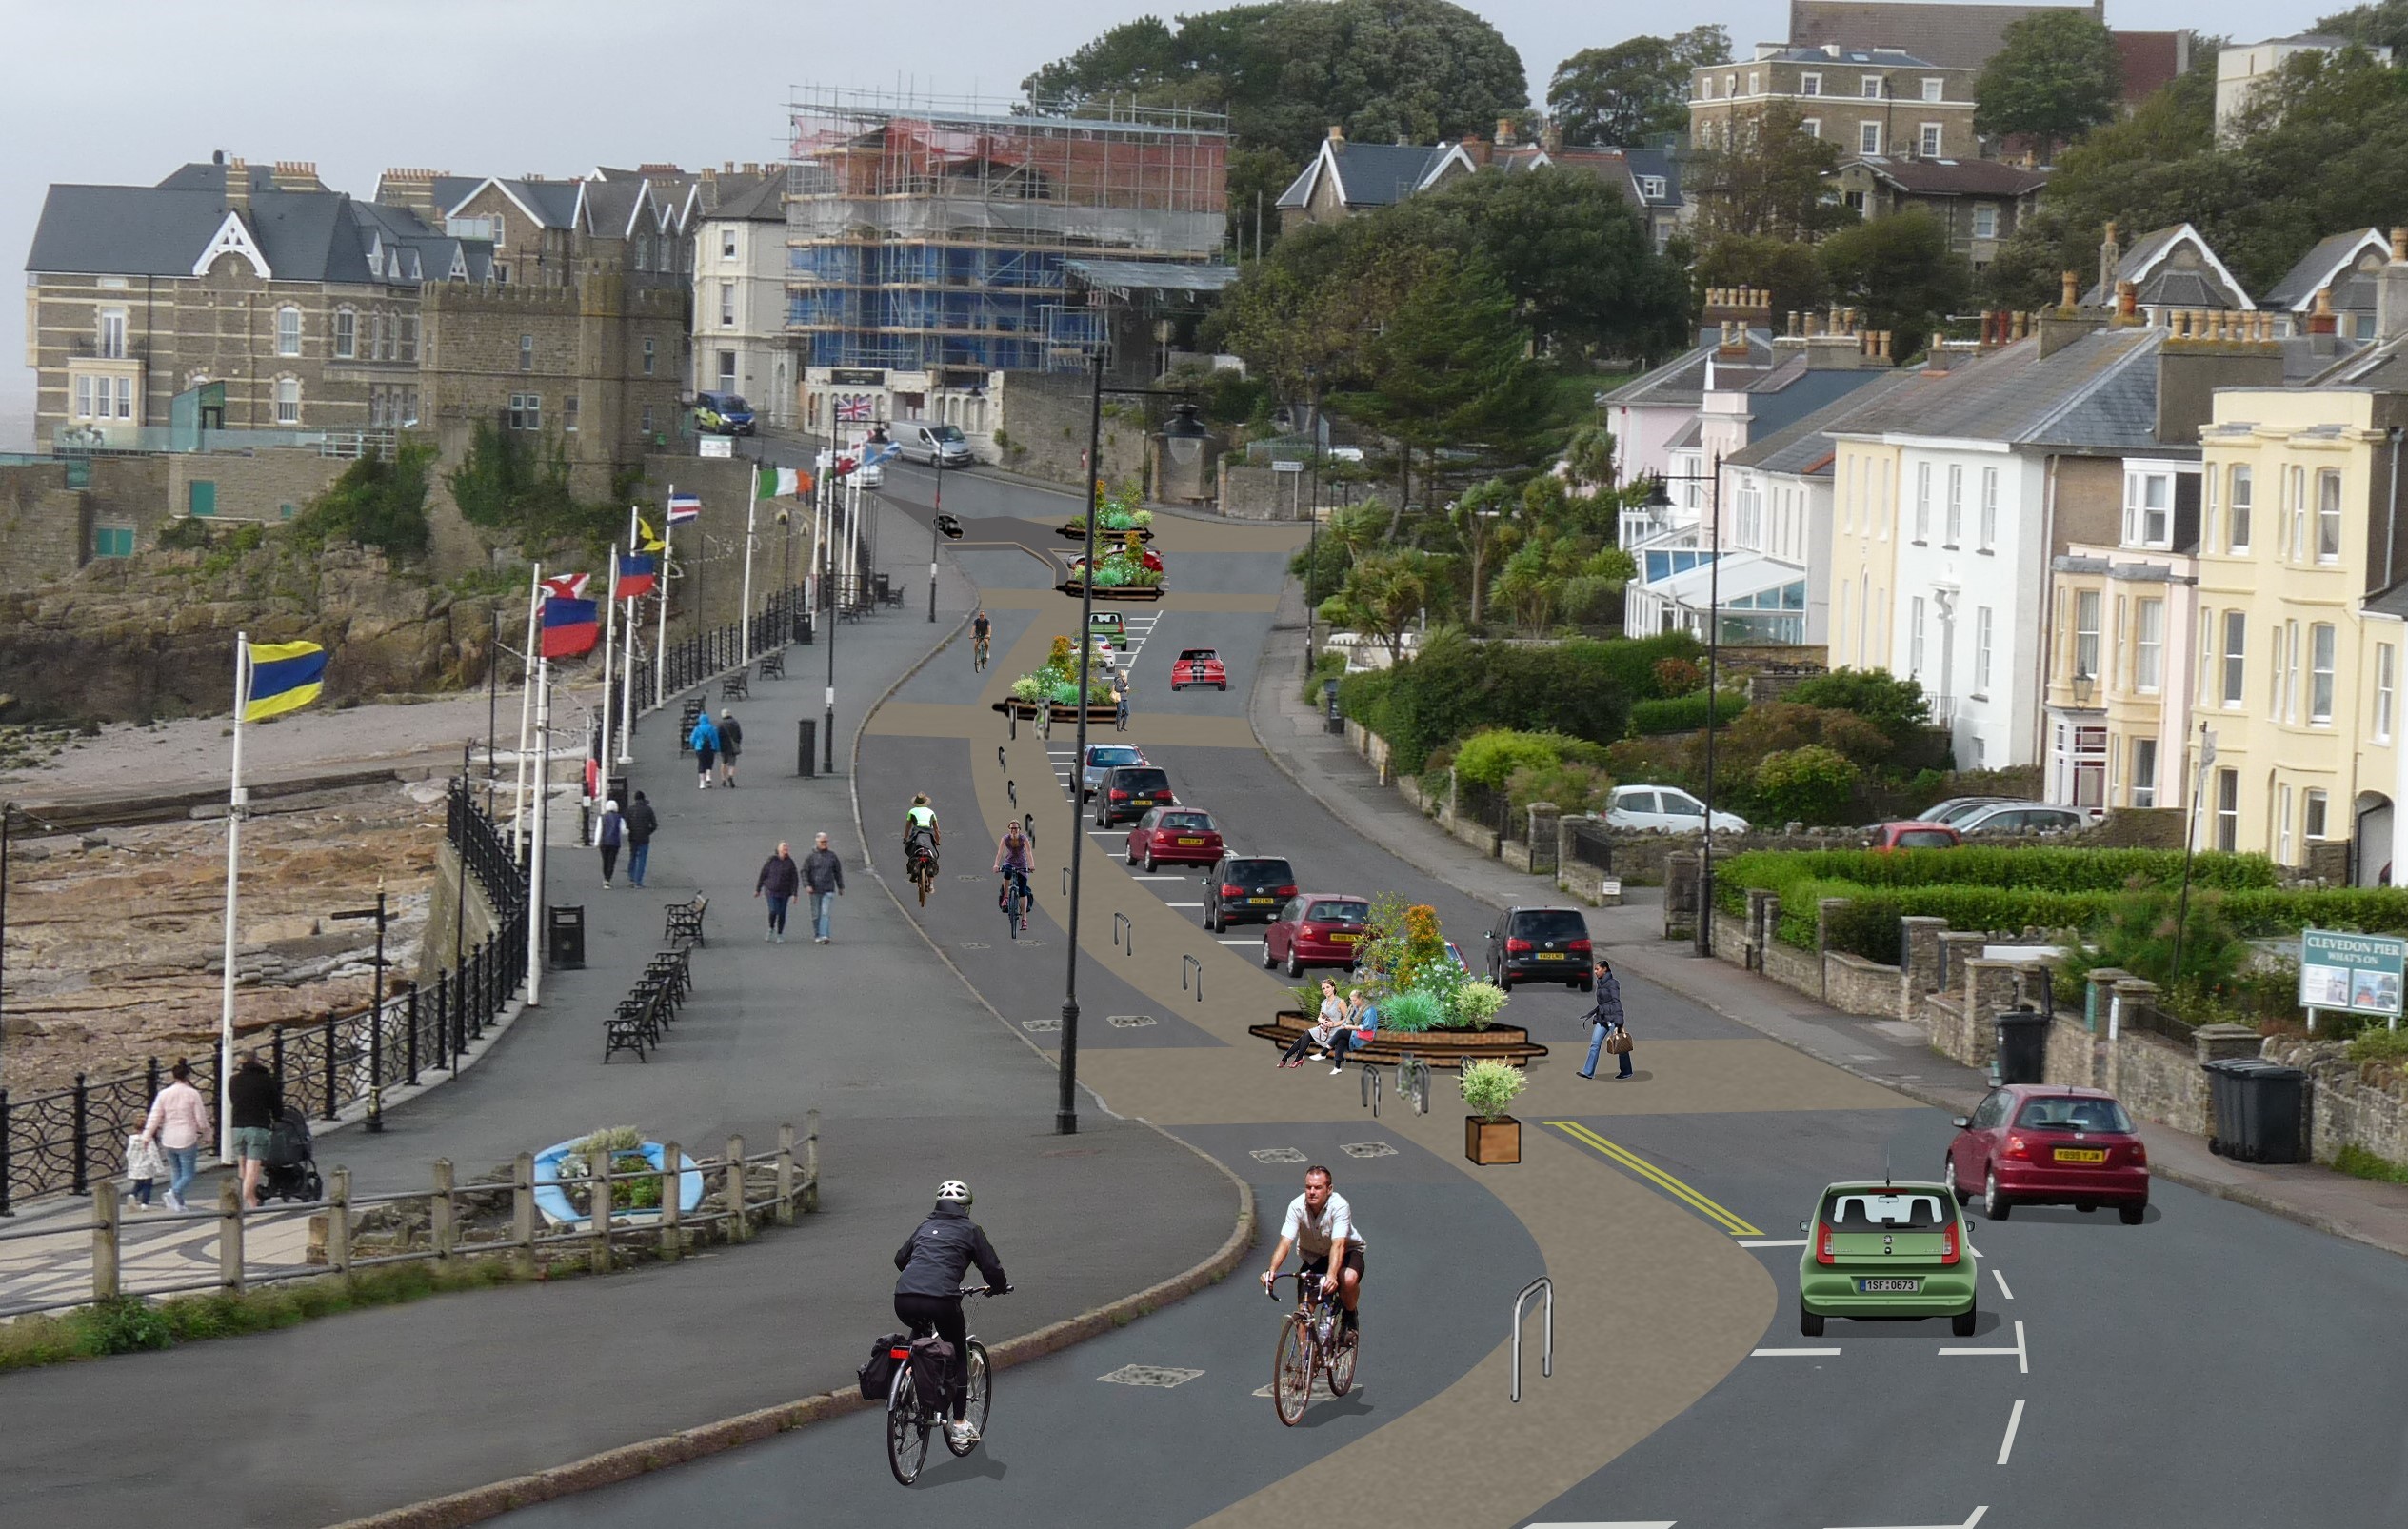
[564,937]
[2022,1036]
[2260,1108]
[2225,1130]
[1333,720]
[621,790]
[806,745]
[802,627]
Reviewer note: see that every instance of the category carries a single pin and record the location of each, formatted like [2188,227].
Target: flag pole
[744,619]
[543,822]
[526,700]
[627,664]
[818,507]
[609,641]
[234,809]
[660,662]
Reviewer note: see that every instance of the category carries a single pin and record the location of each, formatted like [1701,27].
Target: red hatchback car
[1915,835]
[2050,1144]
[1174,836]
[1198,666]
[1316,929]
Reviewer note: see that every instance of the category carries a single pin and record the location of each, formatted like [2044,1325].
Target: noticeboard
[2351,973]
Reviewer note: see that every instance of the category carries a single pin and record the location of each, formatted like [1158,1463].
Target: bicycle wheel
[906,1433]
[1292,1371]
[982,1396]
[1340,1361]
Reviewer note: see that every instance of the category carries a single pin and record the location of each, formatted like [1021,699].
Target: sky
[556,87]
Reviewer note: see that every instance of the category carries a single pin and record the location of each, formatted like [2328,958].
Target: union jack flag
[567,586]
[852,409]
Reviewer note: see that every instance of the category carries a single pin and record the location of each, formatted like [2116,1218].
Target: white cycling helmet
[953,1192]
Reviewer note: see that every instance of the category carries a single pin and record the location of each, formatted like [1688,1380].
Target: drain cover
[976,945]
[1040,1025]
[1367,1149]
[1278,1155]
[1154,1375]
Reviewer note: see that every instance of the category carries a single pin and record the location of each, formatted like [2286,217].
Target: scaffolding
[926,233]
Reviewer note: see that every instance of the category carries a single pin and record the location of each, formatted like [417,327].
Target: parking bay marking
[1791,1353]
[1649,1171]
[2005,1294]
[2015,1421]
[2023,1355]
[1978,1514]
[1774,1242]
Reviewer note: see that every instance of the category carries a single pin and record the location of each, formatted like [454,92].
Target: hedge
[1456,686]
[1683,714]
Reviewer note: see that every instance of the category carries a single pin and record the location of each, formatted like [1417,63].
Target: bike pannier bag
[878,1375]
[931,1363]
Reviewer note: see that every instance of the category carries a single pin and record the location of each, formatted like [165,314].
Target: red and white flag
[567,586]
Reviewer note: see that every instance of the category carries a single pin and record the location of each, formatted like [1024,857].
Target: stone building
[1867,100]
[1979,202]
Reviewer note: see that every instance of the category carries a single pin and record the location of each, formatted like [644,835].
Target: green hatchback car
[1887,1249]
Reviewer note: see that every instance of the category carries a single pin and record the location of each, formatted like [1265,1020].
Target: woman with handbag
[178,1122]
[1608,1030]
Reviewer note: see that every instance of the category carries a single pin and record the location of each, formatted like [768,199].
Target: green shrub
[1488,1087]
[183,534]
[1582,688]
[1574,789]
[376,502]
[1487,758]
[1476,1004]
[1683,713]
[2381,1046]
[1328,665]
[2359,1163]
[1678,677]
[1809,785]
[1412,1012]
[1895,705]
[125,1324]
[2137,932]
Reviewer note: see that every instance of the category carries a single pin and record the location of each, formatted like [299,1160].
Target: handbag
[1618,1042]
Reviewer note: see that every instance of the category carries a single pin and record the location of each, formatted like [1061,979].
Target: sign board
[715,445]
[2351,973]
[857,377]
[1287,467]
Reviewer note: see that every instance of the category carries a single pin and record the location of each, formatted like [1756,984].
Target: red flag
[567,586]
[569,627]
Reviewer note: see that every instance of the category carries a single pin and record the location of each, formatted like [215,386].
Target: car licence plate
[1192,841]
[1344,939]
[2079,1155]
[1262,900]
[1889,1288]
[1550,955]
[1141,800]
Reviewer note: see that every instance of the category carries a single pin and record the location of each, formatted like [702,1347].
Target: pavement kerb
[612,1467]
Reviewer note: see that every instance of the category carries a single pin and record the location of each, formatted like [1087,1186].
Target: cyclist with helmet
[921,834]
[1321,1227]
[928,1296]
[1015,855]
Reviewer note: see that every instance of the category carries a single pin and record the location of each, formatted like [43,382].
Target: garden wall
[2360,1104]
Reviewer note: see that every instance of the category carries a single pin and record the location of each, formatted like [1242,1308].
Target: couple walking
[718,742]
[634,828]
[781,879]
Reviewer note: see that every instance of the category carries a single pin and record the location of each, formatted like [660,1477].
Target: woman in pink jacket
[179,1122]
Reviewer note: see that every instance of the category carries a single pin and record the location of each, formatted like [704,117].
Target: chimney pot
[1504,130]
[2398,246]
[1337,134]
[1795,329]
[2067,292]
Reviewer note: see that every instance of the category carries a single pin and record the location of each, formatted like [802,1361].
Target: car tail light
[1226,890]
[1823,1243]
[2019,1148]
[1310,931]
[1286,891]
[1515,948]
[1120,796]
[1948,1243]
[1579,947]
[2140,1154]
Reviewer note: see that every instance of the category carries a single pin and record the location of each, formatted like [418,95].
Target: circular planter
[1077,532]
[1439,1048]
[1131,592]
[1062,711]
[553,1201]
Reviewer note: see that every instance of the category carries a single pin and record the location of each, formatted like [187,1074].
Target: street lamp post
[937,513]
[827,477]
[1065,1116]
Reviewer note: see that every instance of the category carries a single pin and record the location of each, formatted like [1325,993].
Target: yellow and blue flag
[283,677]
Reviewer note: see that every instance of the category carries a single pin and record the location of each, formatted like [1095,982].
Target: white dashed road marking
[2023,1357]
[2015,1421]
[1791,1353]
[2005,1294]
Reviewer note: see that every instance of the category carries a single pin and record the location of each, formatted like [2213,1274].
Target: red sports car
[1174,836]
[1198,666]
[2049,1144]
[1316,929]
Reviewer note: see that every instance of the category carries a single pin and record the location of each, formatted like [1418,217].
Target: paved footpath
[915,1080]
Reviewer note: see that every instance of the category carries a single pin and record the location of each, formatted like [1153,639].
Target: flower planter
[1077,532]
[1137,592]
[1439,1048]
[553,1201]
[1492,1142]
[1060,710]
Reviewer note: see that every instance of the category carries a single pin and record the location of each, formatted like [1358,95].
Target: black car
[1541,945]
[1248,887]
[1128,792]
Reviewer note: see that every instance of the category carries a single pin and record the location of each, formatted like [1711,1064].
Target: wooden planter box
[1136,592]
[1076,532]
[1439,1048]
[1027,710]
[1492,1142]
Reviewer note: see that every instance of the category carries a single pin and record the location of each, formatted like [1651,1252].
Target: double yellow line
[1624,1157]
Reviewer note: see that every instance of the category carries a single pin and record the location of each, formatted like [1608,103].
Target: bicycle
[1312,1339]
[908,1419]
[922,870]
[1015,902]
[978,651]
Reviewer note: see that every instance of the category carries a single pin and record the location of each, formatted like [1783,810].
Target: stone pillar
[1679,894]
[2218,1042]
[1763,912]
[2132,996]
[1450,796]
[2100,991]
[1920,939]
[1544,819]
[1989,985]
[1957,947]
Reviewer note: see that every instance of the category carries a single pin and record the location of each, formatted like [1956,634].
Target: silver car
[1103,757]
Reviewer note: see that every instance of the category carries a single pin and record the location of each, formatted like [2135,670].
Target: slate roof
[2383,365]
[1955,36]
[553,203]
[1953,177]
[1681,382]
[1660,163]
[151,230]
[746,198]
[1368,174]
[2139,261]
[2312,271]
[1875,57]
[1804,447]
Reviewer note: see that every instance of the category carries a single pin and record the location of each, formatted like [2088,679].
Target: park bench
[686,922]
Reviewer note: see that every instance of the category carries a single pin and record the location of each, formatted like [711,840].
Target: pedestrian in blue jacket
[705,741]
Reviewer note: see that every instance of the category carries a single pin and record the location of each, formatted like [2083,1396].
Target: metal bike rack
[1121,923]
[1186,963]
[1546,1351]
[1011,790]
[1066,877]
[1413,1083]
[999,762]
[1371,1089]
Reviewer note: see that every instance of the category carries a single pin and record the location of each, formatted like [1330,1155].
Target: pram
[289,1171]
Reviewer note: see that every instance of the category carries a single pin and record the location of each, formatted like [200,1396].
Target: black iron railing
[58,1142]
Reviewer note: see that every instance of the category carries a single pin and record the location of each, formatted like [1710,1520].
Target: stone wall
[2160,1081]
[48,526]
[2361,1105]
[2138,829]
[1259,493]
[270,485]
[1851,983]
[1042,427]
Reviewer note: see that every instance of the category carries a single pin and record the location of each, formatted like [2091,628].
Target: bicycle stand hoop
[1187,962]
[1546,1348]
[1122,923]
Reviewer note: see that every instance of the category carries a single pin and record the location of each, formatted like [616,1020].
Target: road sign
[1287,467]
[715,445]
[2352,973]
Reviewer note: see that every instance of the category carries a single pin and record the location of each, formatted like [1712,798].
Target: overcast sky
[506,87]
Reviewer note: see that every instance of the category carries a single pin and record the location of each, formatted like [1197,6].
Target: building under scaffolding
[936,240]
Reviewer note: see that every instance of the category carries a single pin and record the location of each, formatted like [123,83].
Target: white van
[929,443]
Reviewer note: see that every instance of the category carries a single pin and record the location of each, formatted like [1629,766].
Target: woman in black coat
[1605,1019]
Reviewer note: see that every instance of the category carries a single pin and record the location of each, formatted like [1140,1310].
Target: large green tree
[1786,268]
[2055,76]
[1900,270]
[1765,178]
[1635,90]
[2384,24]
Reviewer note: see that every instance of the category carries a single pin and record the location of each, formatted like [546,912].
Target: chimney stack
[1551,137]
[1337,134]
[2069,294]
[2127,303]
[2110,256]
[2391,290]
[238,185]
[1504,132]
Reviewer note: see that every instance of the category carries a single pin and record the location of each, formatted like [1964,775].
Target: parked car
[1107,626]
[1913,834]
[1958,808]
[1316,929]
[1539,944]
[1174,836]
[2022,817]
[1131,791]
[1101,758]
[2050,1144]
[929,443]
[870,475]
[722,414]
[1664,809]
[1198,666]
[1885,1249]
[1246,886]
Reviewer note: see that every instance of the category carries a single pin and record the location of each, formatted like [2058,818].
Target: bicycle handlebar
[986,1290]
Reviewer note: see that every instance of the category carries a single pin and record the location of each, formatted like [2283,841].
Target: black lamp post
[936,515]
[1658,499]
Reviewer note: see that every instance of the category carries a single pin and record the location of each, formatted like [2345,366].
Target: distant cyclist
[1014,858]
[928,1296]
[981,630]
[920,833]
[1318,1221]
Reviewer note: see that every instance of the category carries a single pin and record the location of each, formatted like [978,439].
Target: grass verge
[2359,1163]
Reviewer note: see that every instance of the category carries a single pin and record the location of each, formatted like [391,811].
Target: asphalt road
[2211,1367]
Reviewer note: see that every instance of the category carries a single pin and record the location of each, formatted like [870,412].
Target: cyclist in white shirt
[1320,1220]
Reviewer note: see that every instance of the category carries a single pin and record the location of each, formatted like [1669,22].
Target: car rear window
[1190,822]
[1110,754]
[2066,1113]
[1147,780]
[1263,871]
[1550,924]
[1926,839]
[1883,1210]
[1341,910]
[1200,655]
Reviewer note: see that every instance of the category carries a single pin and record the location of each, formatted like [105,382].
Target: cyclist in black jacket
[928,1296]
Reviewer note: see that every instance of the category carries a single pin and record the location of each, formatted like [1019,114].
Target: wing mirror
[1961,1123]
[1805,1226]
